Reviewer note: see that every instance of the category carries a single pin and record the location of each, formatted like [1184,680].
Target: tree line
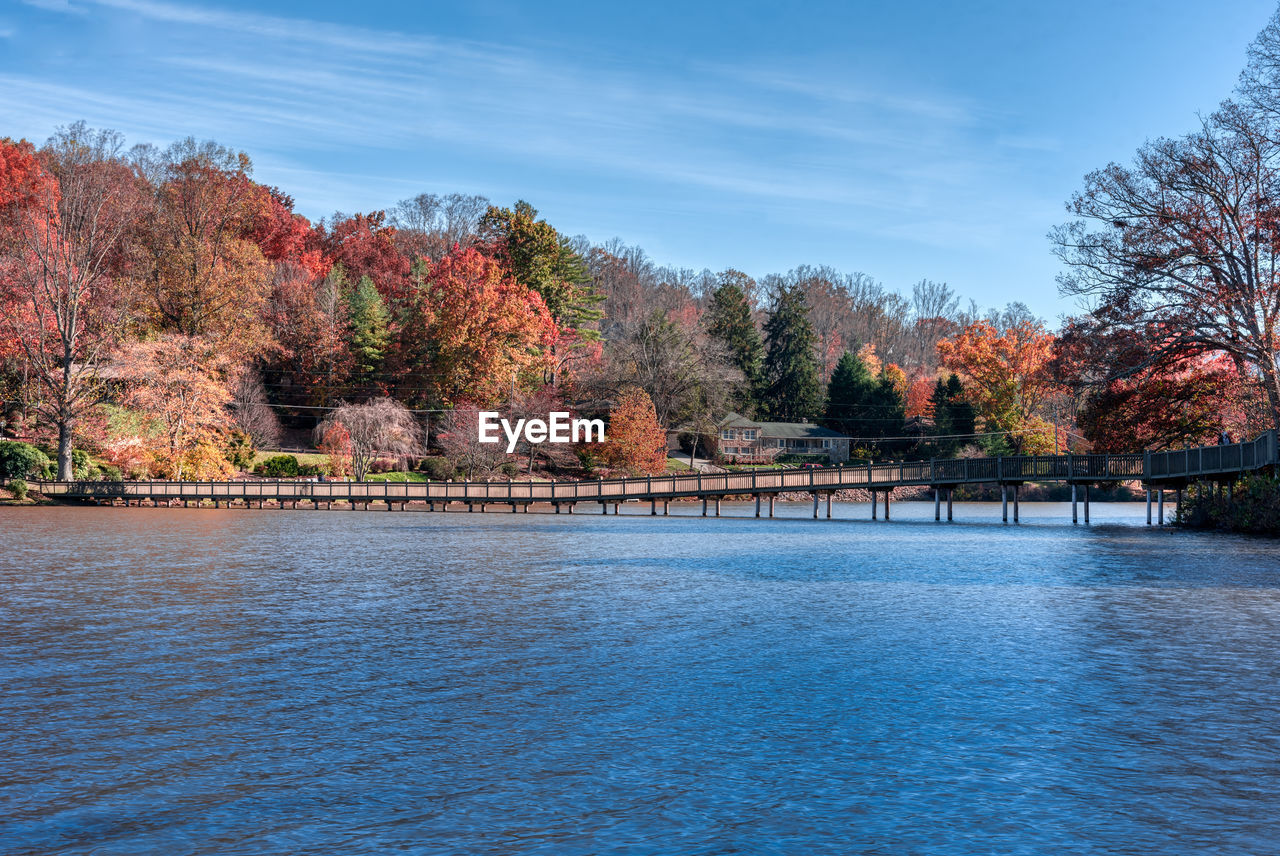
[162,308]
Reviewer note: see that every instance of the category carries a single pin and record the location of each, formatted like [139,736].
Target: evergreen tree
[728,320]
[847,395]
[793,391]
[542,260]
[367,331]
[886,408]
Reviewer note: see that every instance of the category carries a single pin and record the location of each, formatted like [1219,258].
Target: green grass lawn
[315,459]
[397,477]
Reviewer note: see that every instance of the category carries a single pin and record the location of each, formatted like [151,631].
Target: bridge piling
[1086,505]
[830,493]
[772,497]
[1148,494]
[757,499]
[1004,503]
[874,511]
[1075,519]
[888,494]
[1160,502]
[1015,503]
[704,506]
[949,492]
[937,504]
[815,505]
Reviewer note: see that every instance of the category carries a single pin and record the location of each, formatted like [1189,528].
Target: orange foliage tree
[206,277]
[1007,377]
[636,442]
[486,330]
[179,384]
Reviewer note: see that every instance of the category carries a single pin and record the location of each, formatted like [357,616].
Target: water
[182,681]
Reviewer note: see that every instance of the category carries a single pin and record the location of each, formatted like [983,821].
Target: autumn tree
[205,278]
[542,260]
[487,331]
[792,390]
[380,428]
[179,384]
[1008,378]
[66,217]
[636,441]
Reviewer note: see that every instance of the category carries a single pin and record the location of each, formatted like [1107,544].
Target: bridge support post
[665,503]
[815,505]
[949,492]
[1086,505]
[653,508]
[874,510]
[1004,503]
[888,494]
[1015,503]
[829,494]
[937,504]
[1074,516]
[772,497]
[571,505]
[604,508]
[1148,493]
[1160,504]
[757,498]
[557,507]
[717,506]
[704,506]
[1177,501]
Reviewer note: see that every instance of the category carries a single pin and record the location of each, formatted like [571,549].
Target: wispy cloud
[299,93]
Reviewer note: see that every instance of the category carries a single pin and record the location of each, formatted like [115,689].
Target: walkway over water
[1158,471]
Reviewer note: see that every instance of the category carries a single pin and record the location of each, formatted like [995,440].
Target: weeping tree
[380,428]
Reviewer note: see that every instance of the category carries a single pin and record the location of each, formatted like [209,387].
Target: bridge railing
[1213,460]
[1209,460]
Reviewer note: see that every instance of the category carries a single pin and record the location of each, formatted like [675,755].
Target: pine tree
[728,320]
[793,392]
[848,393]
[368,333]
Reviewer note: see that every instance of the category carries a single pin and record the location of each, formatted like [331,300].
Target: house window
[750,433]
[726,434]
[782,444]
[826,444]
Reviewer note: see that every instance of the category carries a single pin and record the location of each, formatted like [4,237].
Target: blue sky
[907,140]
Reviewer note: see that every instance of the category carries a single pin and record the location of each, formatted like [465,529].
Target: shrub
[437,468]
[80,464]
[278,467]
[310,470]
[22,460]
[106,472]
[510,469]
[382,465]
[19,488]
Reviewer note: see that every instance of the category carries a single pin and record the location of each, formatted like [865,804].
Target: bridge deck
[1154,469]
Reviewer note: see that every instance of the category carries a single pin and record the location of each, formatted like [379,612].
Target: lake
[253,682]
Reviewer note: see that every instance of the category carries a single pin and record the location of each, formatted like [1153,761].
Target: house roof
[781,430]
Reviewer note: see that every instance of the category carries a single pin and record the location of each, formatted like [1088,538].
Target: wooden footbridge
[1158,472]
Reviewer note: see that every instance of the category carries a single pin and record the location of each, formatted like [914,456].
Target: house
[748,441]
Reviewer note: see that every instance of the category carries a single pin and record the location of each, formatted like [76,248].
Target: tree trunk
[1271,381]
[66,471]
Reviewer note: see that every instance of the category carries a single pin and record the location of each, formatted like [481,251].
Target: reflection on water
[183,681]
